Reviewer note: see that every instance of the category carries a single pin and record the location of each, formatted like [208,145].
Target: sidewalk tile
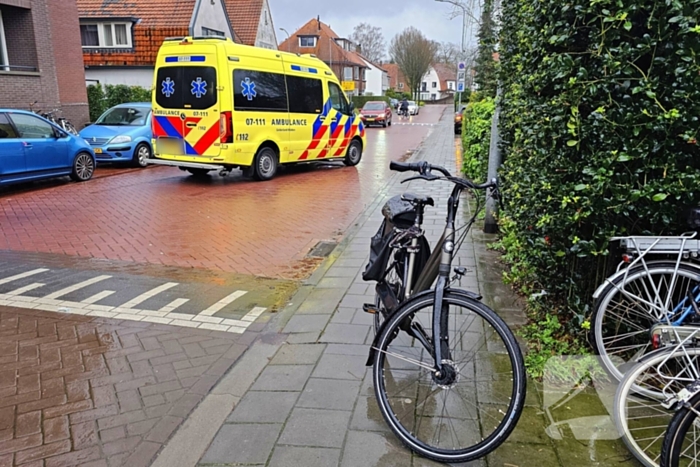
[364,449]
[303,354]
[283,378]
[289,456]
[264,407]
[345,334]
[242,444]
[341,367]
[360,350]
[315,428]
[329,394]
[307,323]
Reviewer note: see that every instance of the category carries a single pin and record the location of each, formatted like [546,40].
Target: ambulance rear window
[186,87]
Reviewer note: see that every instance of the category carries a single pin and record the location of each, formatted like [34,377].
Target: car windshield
[374,106]
[124,116]
[411,103]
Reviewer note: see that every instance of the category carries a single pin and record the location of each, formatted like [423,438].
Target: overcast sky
[431,17]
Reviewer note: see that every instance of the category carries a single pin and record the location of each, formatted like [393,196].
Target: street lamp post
[288,37]
[459,4]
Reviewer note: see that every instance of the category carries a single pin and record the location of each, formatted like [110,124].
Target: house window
[212,32]
[105,35]
[4,60]
[424,86]
[347,73]
[357,72]
[450,85]
[400,85]
[434,84]
[307,41]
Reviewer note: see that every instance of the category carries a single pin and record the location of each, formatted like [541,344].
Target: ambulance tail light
[226,127]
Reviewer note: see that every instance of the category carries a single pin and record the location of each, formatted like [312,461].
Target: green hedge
[102,98]
[600,109]
[360,101]
[476,138]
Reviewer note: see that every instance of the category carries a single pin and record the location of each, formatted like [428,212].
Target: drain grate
[322,249]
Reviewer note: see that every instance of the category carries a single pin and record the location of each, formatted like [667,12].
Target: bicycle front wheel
[681,446]
[472,408]
[640,416]
[630,305]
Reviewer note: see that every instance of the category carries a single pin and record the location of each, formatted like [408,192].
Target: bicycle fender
[461,292]
[624,271]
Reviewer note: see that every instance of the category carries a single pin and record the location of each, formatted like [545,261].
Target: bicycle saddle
[418,200]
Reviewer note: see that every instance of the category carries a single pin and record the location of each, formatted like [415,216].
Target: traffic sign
[460,77]
[462,66]
[460,87]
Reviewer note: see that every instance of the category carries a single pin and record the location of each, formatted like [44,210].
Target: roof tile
[327,49]
[245,18]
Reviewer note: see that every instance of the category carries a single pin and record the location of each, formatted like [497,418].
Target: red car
[376,113]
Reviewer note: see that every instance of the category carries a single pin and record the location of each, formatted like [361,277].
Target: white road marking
[146,295]
[216,307]
[254,314]
[78,286]
[26,288]
[22,276]
[98,296]
[177,303]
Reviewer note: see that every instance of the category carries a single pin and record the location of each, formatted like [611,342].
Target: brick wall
[68,59]
[47,34]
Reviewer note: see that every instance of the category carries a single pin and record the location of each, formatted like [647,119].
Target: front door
[341,120]
[11,150]
[44,152]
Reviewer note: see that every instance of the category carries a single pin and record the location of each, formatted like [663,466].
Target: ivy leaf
[560,253]
[623,158]
[580,187]
[571,142]
[675,19]
[659,197]
[628,25]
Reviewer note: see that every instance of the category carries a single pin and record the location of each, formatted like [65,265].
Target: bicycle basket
[379,251]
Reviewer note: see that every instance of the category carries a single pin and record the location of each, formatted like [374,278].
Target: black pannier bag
[400,214]
[693,219]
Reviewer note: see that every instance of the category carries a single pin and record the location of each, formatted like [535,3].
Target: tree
[370,40]
[448,53]
[413,53]
[486,75]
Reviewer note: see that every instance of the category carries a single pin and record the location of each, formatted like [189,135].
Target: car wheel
[83,167]
[199,173]
[265,165]
[354,154]
[389,122]
[141,155]
[384,124]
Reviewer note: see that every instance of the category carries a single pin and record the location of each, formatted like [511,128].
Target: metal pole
[490,223]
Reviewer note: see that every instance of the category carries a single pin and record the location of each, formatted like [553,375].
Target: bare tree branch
[413,53]
[370,40]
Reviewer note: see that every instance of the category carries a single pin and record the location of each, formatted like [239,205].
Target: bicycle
[646,298]
[680,445]
[647,395]
[448,374]
[61,122]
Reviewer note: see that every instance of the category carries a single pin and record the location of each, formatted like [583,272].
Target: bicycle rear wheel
[631,305]
[395,280]
[473,408]
[639,414]
[681,446]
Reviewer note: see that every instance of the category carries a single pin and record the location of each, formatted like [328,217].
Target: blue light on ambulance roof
[304,69]
[186,58]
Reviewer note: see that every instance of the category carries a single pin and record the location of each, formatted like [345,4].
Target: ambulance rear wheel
[265,166]
[354,154]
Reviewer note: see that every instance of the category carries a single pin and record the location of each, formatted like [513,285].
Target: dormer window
[105,35]
[307,41]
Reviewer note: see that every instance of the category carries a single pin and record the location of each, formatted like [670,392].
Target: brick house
[397,81]
[339,54]
[121,38]
[440,82]
[252,23]
[41,59]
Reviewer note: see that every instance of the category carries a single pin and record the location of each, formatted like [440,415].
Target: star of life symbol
[199,88]
[249,91]
[168,87]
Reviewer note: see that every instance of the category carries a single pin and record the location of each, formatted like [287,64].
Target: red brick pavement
[100,393]
[163,216]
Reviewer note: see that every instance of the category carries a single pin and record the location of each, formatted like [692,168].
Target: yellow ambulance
[218,105]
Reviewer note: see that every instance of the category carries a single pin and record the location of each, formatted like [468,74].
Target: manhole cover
[322,249]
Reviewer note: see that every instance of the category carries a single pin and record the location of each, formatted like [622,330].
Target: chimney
[318,19]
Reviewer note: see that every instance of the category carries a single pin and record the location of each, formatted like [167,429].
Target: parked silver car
[413,108]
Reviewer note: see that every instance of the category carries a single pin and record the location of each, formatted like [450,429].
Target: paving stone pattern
[76,390]
[314,404]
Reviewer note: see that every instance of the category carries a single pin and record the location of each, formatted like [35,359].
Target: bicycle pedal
[370,308]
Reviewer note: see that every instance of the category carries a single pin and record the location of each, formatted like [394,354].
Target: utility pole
[490,222]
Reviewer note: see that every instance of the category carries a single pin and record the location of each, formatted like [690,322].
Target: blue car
[122,134]
[32,148]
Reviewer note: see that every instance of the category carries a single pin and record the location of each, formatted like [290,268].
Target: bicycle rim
[628,309]
[458,420]
[641,419]
[682,442]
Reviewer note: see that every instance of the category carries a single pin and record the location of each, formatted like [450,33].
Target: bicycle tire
[684,418]
[653,417]
[601,310]
[514,398]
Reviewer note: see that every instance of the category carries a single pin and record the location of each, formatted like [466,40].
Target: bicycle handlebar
[425,169]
